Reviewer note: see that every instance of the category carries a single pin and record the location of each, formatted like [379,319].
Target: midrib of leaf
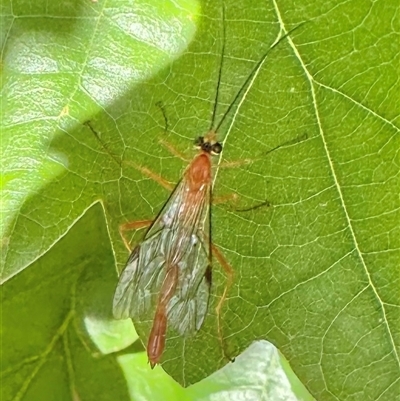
[312,82]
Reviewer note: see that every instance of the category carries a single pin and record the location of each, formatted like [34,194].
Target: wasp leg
[229,281]
[132,225]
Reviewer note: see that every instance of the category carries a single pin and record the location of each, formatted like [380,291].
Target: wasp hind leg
[229,281]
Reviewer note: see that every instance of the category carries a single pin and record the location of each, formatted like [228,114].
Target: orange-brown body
[196,182]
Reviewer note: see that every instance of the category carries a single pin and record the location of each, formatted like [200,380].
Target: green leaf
[45,311]
[316,271]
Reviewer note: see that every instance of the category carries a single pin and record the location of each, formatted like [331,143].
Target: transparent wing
[176,237]
[136,292]
[188,307]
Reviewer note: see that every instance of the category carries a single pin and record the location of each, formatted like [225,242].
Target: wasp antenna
[221,62]
[253,71]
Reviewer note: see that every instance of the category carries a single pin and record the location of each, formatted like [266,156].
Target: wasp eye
[216,148]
